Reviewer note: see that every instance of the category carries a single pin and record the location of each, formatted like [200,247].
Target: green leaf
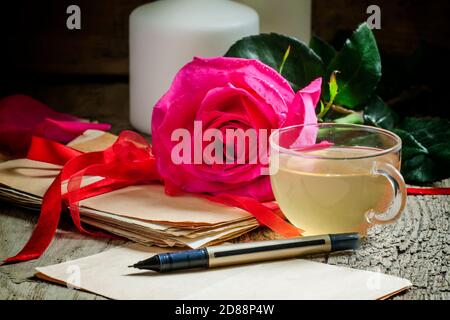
[359,64]
[377,113]
[333,89]
[300,68]
[333,86]
[322,107]
[286,55]
[322,49]
[425,149]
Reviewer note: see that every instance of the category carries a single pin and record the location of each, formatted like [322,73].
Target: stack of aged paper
[142,213]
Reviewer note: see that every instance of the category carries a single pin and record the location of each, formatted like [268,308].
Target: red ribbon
[36,119]
[129,161]
[428,191]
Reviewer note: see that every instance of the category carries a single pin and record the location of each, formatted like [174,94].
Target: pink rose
[226,93]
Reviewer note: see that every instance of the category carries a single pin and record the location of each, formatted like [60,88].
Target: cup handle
[399,191]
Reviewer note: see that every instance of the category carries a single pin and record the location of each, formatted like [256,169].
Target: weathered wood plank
[405,25]
[37,40]
[17,281]
[417,247]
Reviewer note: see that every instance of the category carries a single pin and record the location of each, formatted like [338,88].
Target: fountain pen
[243,253]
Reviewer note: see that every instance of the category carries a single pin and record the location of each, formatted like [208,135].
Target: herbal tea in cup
[345,181]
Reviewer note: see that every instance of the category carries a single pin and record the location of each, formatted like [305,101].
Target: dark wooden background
[37,48]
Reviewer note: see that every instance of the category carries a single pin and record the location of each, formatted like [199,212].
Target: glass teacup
[345,180]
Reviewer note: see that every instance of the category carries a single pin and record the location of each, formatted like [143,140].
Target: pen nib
[149,264]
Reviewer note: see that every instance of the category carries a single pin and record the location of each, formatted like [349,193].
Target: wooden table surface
[417,247]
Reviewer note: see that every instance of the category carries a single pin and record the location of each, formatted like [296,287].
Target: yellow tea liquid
[324,196]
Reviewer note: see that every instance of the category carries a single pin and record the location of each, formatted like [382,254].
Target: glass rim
[306,154]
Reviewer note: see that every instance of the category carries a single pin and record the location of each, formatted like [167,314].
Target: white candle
[165,35]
